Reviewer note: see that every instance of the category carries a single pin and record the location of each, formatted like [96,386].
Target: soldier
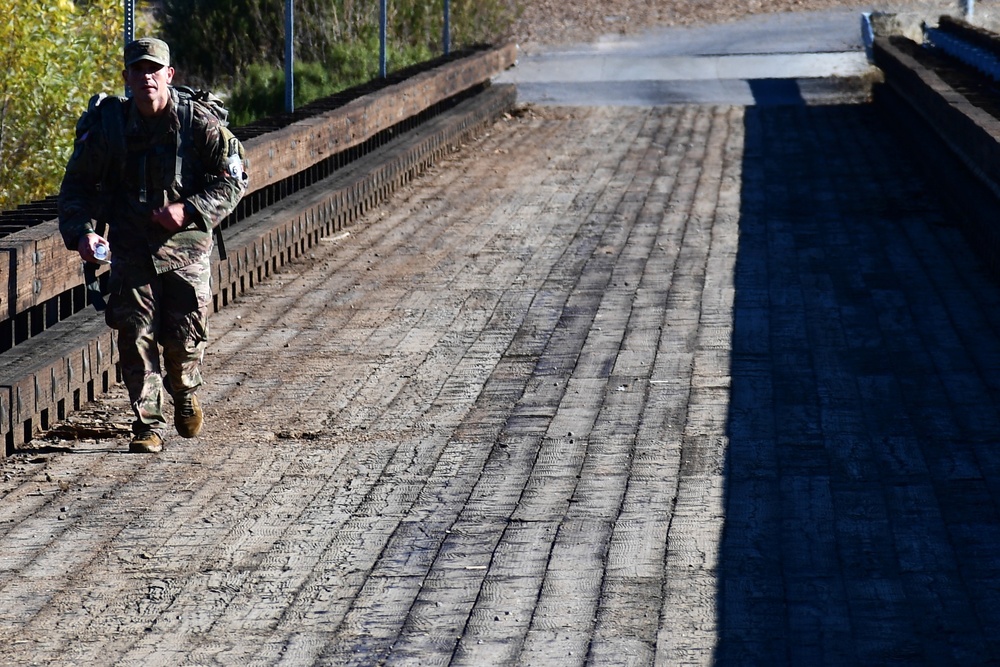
[161,171]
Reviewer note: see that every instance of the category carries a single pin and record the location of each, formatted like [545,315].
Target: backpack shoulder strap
[109,112]
[184,115]
[113,123]
[185,98]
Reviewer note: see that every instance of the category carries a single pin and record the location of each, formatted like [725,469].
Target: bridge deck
[609,386]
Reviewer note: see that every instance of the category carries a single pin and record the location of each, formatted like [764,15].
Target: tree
[53,54]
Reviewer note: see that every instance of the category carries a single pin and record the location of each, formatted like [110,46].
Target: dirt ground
[558,22]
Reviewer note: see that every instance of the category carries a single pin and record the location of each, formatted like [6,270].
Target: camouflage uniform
[159,281]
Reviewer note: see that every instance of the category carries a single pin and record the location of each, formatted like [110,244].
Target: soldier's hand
[88,243]
[171,217]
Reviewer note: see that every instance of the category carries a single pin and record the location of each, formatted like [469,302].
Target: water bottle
[101,253]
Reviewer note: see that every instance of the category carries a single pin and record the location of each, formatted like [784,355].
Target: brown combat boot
[187,416]
[146,443]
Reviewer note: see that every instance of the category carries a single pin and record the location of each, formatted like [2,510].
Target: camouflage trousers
[169,312]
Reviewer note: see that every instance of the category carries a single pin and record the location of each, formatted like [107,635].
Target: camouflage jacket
[101,186]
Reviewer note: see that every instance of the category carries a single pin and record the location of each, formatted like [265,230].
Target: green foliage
[474,22]
[215,42]
[261,92]
[54,55]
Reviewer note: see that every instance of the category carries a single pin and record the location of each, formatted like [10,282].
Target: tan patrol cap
[147,48]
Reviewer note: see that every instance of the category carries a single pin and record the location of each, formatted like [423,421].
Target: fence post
[447,27]
[289,56]
[381,38]
[128,34]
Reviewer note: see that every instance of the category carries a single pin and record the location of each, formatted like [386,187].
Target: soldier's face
[148,82]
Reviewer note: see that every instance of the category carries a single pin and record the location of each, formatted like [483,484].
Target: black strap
[185,114]
[221,243]
[93,283]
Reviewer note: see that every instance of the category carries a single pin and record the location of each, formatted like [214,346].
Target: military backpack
[112,120]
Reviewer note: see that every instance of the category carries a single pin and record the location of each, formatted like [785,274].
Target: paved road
[735,63]
[634,386]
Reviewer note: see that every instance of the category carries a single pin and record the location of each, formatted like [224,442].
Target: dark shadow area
[863,470]
[775,92]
